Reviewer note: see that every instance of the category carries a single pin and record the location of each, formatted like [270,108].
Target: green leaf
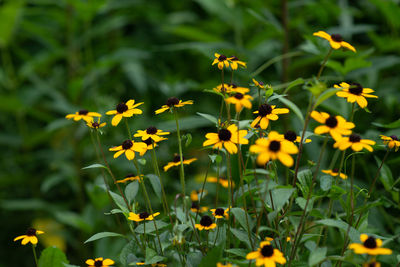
[392,125]
[119,201]
[10,12]
[302,203]
[293,107]
[208,117]
[240,215]
[53,257]
[102,235]
[131,191]
[212,257]
[188,138]
[155,183]
[316,256]
[238,252]
[242,236]
[150,227]
[152,256]
[280,197]
[294,83]
[325,95]
[215,158]
[326,182]
[353,234]
[93,166]
[386,175]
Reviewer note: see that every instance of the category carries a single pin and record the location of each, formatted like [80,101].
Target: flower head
[130,177]
[83,114]
[334,173]
[99,262]
[259,85]
[221,60]
[235,62]
[355,142]
[354,92]
[177,161]
[228,138]
[126,110]
[240,101]
[173,102]
[224,265]
[266,255]
[143,216]
[153,133]
[222,181]
[196,207]
[129,147]
[274,147]
[196,194]
[230,88]
[391,141]
[206,223]
[265,114]
[335,40]
[293,137]
[29,237]
[370,245]
[336,126]
[220,213]
[372,263]
[95,124]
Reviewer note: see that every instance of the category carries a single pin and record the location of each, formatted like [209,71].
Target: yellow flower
[265,114]
[149,143]
[292,137]
[335,40]
[30,236]
[197,209]
[195,194]
[336,126]
[231,88]
[206,223]
[221,60]
[260,85]
[130,177]
[370,245]
[143,216]
[152,132]
[355,142]
[235,62]
[354,92]
[99,262]
[334,173]
[173,102]
[275,147]
[128,147]
[240,101]
[177,161]
[228,138]
[222,181]
[83,114]
[222,265]
[391,141]
[372,263]
[126,110]
[266,255]
[95,125]
[220,213]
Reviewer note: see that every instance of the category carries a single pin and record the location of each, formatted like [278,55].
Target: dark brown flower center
[331,122]
[31,232]
[121,108]
[224,135]
[195,205]
[335,170]
[98,263]
[151,130]
[206,221]
[274,146]
[129,175]
[172,101]
[177,158]
[95,124]
[83,112]
[238,96]
[264,110]
[354,138]
[219,212]
[290,136]
[233,85]
[261,83]
[336,37]
[148,141]
[372,264]
[234,58]
[267,251]
[370,242]
[143,215]
[355,88]
[394,137]
[222,58]
[127,144]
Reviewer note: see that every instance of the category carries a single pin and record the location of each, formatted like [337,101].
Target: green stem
[34,254]
[127,127]
[182,172]
[143,248]
[216,236]
[324,63]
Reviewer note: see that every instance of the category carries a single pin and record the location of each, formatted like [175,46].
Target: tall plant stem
[182,172]
[324,63]
[34,254]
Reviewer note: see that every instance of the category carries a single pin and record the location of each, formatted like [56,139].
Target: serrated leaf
[93,166]
[52,256]
[155,183]
[102,235]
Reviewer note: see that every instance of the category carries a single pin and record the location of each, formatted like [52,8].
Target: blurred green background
[58,57]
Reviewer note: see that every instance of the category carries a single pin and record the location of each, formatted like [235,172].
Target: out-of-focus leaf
[353,234]
[240,215]
[316,256]
[212,257]
[208,117]
[392,125]
[293,107]
[10,12]
[102,235]
[93,166]
[53,257]
[155,183]
[150,228]
[131,191]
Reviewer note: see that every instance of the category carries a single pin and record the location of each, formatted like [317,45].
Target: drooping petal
[116,119]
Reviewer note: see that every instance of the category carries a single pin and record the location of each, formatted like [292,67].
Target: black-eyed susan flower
[335,40]
[355,142]
[29,237]
[227,138]
[235,63]
[128,147]
[196,194]
[372,263]
[83,115]
[150,144]
[265,114]
[293,137]
[274,147]
[173,102]
[177,161]
[221,60]
[126,110]
[143,216]
[259,85]
[224,265]
[354,92]
[129,178]
[196,208]
[239,89]
[391,141]
[370,245]
[231,88]
[152,132]
[334,173]
[336,126]
[220,213]
[266,255]
[95,124]
[222,181]
[99,262]
[240,101]
[206,223]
